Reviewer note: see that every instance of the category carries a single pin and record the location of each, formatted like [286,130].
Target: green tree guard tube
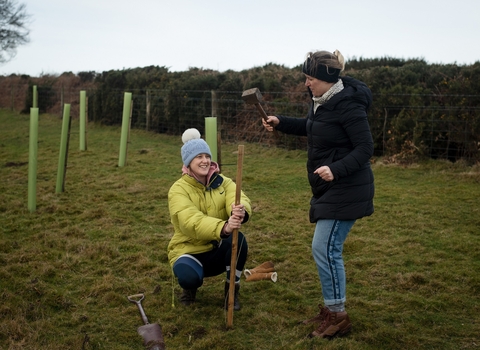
[127,102]
[32,160]
[62,158]
[211,135]
[83,120]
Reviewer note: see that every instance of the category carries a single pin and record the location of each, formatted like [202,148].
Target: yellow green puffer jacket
[198,213]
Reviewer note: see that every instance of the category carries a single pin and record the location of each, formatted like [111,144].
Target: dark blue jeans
[190,269]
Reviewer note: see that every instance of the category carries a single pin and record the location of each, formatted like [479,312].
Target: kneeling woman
[204,215]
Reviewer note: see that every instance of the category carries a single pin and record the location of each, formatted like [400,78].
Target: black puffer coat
[338,136]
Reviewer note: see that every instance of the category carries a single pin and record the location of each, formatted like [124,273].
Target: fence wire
[404,126]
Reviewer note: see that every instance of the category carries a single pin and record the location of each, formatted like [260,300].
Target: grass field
[67,268]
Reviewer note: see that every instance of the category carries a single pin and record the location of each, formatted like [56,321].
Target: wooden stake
[147,111]
[233,262]
[219,149]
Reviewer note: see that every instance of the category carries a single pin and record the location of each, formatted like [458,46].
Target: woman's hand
[238,211]
[270,123]
[325,173]
[236,219]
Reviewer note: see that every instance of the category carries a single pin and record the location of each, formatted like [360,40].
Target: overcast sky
[101,35]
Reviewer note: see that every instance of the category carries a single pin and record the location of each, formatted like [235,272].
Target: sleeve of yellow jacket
[198,214]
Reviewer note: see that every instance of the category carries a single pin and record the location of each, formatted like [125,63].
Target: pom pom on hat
[190,134]
[193,145]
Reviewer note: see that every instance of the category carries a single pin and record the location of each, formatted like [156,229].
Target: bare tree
[13,30]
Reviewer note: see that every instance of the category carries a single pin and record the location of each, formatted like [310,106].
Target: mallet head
[252,96]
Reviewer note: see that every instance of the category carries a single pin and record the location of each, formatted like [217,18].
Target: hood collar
[214,169]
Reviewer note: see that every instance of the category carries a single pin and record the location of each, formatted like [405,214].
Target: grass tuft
[67,268]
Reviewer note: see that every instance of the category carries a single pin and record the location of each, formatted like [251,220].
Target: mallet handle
[265,117]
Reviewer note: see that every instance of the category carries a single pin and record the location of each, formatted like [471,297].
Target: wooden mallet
[253,96]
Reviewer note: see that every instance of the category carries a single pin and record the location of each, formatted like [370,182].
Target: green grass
[67,268]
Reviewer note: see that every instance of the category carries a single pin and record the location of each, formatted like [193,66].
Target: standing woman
[340,146]
[204,215]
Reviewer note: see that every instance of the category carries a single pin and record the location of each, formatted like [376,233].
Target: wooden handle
[135,298]
[238,181]
[233,261]
[265,117]
[262,111]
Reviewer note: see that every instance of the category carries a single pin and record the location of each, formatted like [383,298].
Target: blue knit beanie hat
[193,145]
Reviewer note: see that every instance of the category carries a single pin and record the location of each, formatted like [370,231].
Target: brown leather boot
[188,296]
[236,302]
[318,318]
[335,324]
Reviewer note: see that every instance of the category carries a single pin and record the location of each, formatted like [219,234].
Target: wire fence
[404,126]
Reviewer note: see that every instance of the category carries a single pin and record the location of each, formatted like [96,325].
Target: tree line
[419,109]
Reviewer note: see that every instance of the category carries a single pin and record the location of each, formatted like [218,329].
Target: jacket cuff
[224,233]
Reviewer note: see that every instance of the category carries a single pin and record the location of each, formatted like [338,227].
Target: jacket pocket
[319,186]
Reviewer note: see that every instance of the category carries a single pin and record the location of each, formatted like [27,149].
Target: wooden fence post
[147,113]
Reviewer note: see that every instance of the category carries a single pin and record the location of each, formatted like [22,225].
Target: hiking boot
[236,302]
[335,324]
[317,318]
[188,296]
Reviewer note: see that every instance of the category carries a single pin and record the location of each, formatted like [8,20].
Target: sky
[102,35]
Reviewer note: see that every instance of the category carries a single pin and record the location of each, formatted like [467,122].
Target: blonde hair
[330,60]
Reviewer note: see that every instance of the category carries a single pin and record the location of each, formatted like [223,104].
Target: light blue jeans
[327,247]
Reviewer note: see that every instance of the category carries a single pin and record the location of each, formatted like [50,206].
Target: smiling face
[318,87]
[200,165]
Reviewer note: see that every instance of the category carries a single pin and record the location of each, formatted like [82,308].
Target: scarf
[335,89]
